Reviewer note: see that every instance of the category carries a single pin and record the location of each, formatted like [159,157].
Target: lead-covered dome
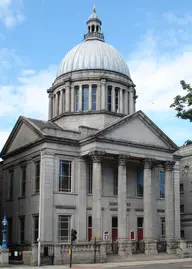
[93,53]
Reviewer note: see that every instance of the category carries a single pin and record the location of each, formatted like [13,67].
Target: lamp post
[4,231]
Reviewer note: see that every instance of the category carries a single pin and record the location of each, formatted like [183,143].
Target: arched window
[93,28]
[97,28]
[116,100]
[94,97]
[85,97]
[89,29]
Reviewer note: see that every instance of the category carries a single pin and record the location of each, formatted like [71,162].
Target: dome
[93,54]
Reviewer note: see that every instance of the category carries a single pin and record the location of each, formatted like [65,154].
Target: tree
[183,104]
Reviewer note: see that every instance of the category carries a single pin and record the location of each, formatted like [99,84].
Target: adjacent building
[97,165]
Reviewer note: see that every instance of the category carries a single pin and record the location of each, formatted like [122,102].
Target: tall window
[94,97]
[115,185]
[37,177]
[140,181]
[109,98]
[22,229]
[114,228]
[181,209]
[64,227]
[35,228]
[89,228]
[162,227]
[10,190]
[181,188]
[9,232]
[65,176]
[116,100]
[23,180]
[90,180]
[182,234]
[162,184]
[77,99]
[85,98]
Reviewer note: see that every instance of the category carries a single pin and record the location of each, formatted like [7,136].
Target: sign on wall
[105,235]
[132,235]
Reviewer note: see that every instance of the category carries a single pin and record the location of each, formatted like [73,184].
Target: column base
[171,246]
[150,247]
[4,257]
[124,248]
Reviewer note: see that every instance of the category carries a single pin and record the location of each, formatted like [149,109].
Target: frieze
[116,204]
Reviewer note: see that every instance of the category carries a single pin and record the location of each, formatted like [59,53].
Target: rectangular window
[114,222]
[162,184]
[94,97]
[22,229]
[89,228]
[114,228]
[85,98]
[182,234]
[181,188]
[116,100]
[65,176]
[77,99]
[23,180]
[181,209]
[140,181]
[90,175]
[64,227]
[162,227]
[35,228]
[37,177]
[10,190]
[140,222]
[115,186]
[109,98]
[9,228]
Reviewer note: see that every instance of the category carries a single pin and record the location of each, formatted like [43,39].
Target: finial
[94,8]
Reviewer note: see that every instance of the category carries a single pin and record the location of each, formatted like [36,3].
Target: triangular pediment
[23,134]
[139,129]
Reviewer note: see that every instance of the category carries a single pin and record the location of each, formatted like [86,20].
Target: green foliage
[188,142]
[183,104]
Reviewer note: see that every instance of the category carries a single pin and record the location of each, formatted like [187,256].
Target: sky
[154,38]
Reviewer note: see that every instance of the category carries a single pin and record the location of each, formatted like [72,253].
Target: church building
[97,165]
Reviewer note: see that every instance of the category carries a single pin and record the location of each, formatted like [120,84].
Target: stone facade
[94,170]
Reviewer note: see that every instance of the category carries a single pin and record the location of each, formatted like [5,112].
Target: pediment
[139,129]
[23,134]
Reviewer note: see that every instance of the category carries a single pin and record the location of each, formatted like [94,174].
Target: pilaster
[50,112]
[61,102]
[80,97]
[56,104]
[72,99]
[67,99]
[126,106]
[97,157]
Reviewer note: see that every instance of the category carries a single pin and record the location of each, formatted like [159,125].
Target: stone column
[46,206]
[103,94]
[126,106]
[80,97]
[149,218]
[96,194]
[53,105]
[113,99]
[50,112]
[67,97]
[169,205]
[82,200]
[72,99]
[90,97]
[56,105]
[122,204]
[121,101]
[61,102]
[176,179]
[131,101]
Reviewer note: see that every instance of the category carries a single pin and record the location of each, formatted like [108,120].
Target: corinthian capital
[148,163]
[96,156]
[122,160]
[169,166]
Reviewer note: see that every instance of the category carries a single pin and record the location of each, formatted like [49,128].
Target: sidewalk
[111,265]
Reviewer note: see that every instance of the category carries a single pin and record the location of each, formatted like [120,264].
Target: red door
[140,234]
[114,234]
[89,234]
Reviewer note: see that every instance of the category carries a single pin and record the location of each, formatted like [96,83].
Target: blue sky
[154,37]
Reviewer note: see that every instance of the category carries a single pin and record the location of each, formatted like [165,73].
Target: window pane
[140,222]
[90,221]
[140,181]
[35,228]
[116,100]
[64,228]
[162,184]
[37,176]
[76,99]
[109,98]
[23,180]
[85,98]
[114,222]
[94,98]
[65,176]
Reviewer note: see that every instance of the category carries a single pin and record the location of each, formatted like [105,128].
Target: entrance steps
[140,257]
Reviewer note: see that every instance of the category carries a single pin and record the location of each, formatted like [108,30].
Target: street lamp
[4,231]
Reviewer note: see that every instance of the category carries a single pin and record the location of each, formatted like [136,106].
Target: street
[158,266]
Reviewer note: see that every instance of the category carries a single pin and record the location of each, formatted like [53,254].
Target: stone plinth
[4,257]
[150,247]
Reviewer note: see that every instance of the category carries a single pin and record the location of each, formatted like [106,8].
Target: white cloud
[11,12]
[183,20]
